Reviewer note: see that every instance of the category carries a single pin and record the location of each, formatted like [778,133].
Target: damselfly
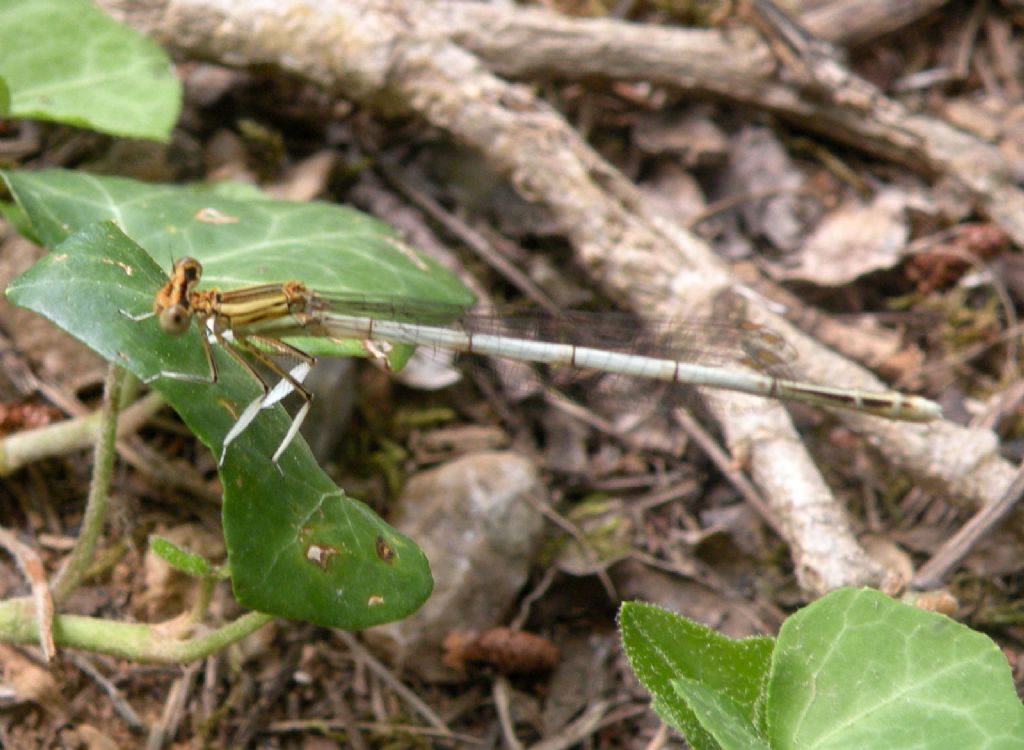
[251,322]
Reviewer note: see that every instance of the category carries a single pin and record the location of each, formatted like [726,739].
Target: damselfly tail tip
[901,407]
[923,410]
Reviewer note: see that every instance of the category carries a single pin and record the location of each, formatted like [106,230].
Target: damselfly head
[173,305]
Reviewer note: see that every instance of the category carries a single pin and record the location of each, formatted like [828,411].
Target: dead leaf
[31,682]
[852,241]
[509,651]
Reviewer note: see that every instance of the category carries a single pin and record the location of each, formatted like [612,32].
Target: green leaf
[66,61]
[853,671]
[858,670]
[5,98]
[239,241]
[725,719]
[297,546]
[333,249]
[663,647]
[181,559]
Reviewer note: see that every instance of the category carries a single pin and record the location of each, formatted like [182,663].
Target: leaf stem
[74,569]
[137,642]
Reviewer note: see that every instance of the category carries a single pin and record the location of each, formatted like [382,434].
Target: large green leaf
[858,670]
[66,61]
[241,241]
[297,546]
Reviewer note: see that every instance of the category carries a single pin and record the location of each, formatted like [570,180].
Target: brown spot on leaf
[320,555]
[385,551]
[213,216]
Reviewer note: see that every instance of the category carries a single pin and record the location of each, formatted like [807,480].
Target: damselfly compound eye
[189,269]
[175,319]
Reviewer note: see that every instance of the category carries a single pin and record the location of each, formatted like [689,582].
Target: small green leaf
[181,559]
[5,98]
[297,546]
[66,61]
[726,720]
[663,647]
[858,670]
